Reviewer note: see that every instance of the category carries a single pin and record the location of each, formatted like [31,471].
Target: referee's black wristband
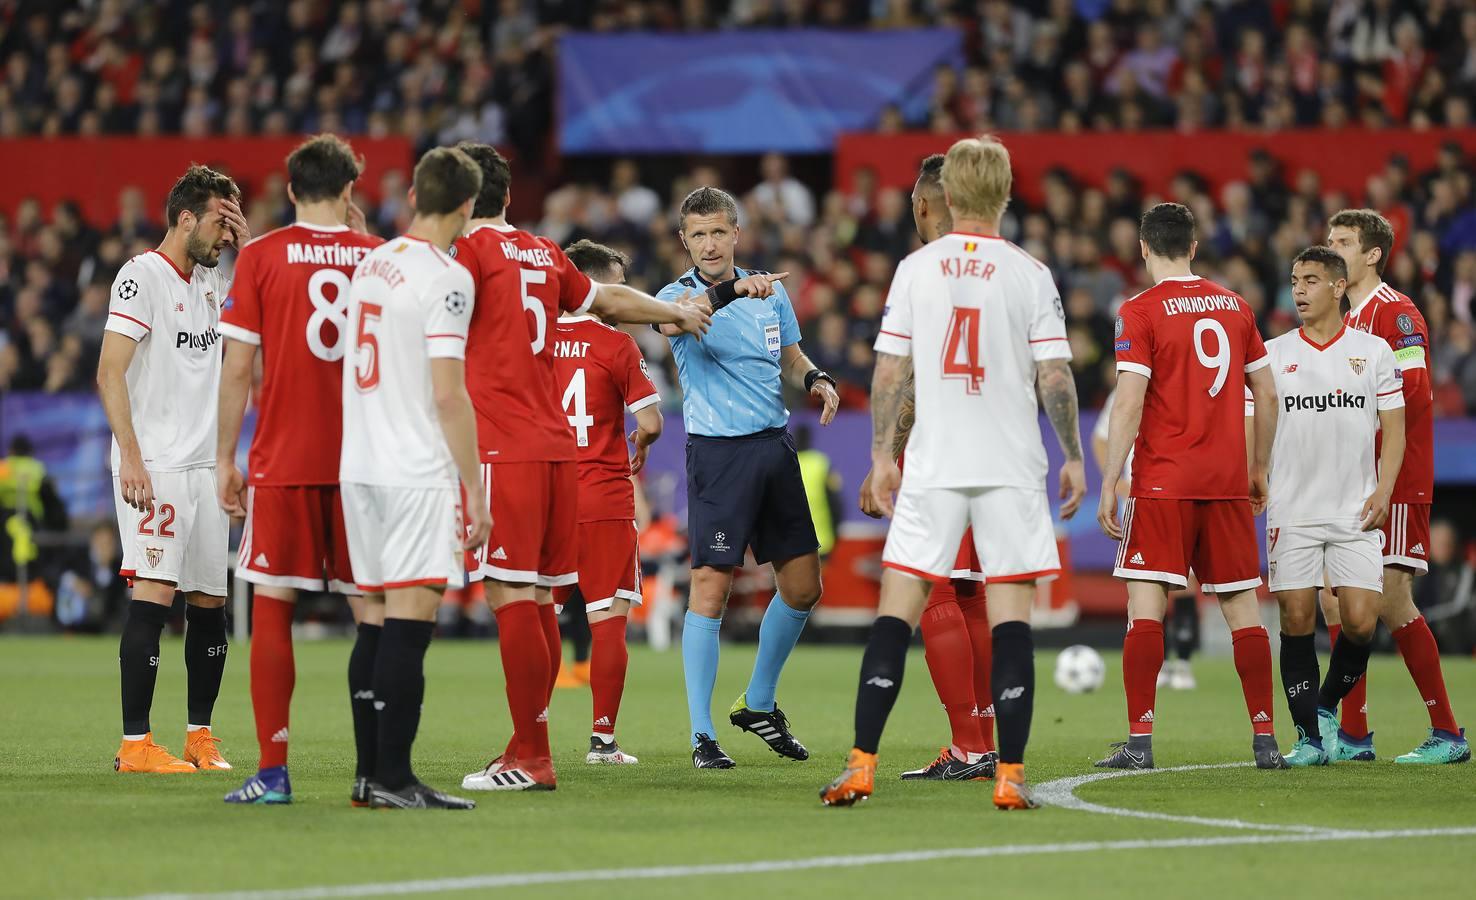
[815,375]
[722,293]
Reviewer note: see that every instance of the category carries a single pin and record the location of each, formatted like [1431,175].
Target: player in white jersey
[157,376]
[409,456]
[1338,387]
[980,323]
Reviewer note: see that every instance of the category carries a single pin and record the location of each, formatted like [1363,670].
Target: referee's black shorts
[745,491]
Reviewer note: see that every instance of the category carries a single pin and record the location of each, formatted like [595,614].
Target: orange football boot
[147,756]
[1010,790]
[854,784]
[200,749]
[575,675]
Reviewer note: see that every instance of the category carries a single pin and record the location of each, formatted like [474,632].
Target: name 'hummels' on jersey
[1195,341]
[290,297]
[1393,317]
[1323,465]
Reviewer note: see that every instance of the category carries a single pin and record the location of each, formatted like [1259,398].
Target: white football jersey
[975,313]
[409,303]
[174,377]
[1323,465]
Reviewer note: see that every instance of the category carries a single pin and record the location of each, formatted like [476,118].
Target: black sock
[881,679]
[205,659]
[578,628]
[1348,664]
[1299,676]
[361,699]
[1185,625]
[138,662]
[399,689]
[1012,679]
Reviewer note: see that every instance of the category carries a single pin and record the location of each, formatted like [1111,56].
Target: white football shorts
[1299,555]
[184,540]
[1013,533]
[402,537]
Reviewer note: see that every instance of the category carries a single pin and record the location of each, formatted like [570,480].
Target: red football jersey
[523,283]
[1388,314]
[290,297]
[1195,341]
[601,374]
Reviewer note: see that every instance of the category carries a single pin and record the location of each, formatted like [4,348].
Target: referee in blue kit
[743,474]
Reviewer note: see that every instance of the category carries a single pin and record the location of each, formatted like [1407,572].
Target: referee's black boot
[773,727]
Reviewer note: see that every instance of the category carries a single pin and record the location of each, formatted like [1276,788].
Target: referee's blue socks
[778,634]
[699,666]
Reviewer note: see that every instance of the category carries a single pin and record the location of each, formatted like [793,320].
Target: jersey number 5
[366,359]
[961,351]
[535,306]
[578,409]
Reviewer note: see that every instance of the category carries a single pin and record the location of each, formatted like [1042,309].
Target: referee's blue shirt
[731,378]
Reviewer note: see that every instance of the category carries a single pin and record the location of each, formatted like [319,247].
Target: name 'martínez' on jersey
[1323,465]
[731,378]
[175,374]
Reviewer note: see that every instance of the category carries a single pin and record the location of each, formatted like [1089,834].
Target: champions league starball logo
[456,303]
[128,290]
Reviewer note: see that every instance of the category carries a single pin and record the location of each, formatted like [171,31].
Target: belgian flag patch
[970,246]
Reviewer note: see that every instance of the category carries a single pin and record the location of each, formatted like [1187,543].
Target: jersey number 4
[961,351]
[578,409]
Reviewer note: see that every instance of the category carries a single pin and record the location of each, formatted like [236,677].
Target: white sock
[134,737]
[196,727]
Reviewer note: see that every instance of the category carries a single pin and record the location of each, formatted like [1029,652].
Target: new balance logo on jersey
[1289,369]
[281,736]
[1338,399]
[1261,717]
[1137,559]
[1418,548]
[261,560]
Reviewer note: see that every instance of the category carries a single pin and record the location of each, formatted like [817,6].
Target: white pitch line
[531,879]
[1062,793]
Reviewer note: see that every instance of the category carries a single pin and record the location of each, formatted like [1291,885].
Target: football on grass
[1079,669]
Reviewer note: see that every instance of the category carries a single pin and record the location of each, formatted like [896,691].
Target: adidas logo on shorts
[261,560]
[1137,559]
[1418,548]
[499,553]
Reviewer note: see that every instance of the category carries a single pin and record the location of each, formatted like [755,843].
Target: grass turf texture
[73,827]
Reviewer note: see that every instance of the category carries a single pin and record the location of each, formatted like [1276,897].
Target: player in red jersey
[955,625]
[289,305]
[528,452]
[601,375]
[1186,350]
[1363,238]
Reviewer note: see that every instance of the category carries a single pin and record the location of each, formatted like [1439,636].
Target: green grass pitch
[70,826]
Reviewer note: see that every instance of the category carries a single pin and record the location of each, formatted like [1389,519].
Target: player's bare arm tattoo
[886,398]
[906,415]
[1057,389]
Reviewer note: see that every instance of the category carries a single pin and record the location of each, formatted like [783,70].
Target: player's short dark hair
[445,178]
[708,201]
[1168,230]
[321,167]
[597,260]
[930,172]
[1373,231]
[193,191]
[496,179]
[1331,262]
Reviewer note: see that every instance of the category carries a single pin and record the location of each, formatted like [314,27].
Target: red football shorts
[1163,539]
[295,538]
[1407,536]
[534,524]
[609,566]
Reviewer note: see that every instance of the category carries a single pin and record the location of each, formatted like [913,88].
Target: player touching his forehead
[1364,239]
[1186,350]
[157,376]
[289,308]
[979,321]
[1339,388]
[602,375]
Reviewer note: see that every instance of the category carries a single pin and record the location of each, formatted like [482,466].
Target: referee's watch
[815,375]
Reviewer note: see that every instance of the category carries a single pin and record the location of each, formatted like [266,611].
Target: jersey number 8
[326,312]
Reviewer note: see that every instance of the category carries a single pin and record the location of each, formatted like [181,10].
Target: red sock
[273,675]
[1253,663]
[1142,657]
[525,665]
[976,616]
[1355,705]
[550,622]
[950,658]
[608,659]
[1422,658]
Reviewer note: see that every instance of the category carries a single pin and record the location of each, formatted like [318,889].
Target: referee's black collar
[697,274]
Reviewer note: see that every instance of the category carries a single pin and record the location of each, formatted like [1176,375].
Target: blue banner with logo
[740,91]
